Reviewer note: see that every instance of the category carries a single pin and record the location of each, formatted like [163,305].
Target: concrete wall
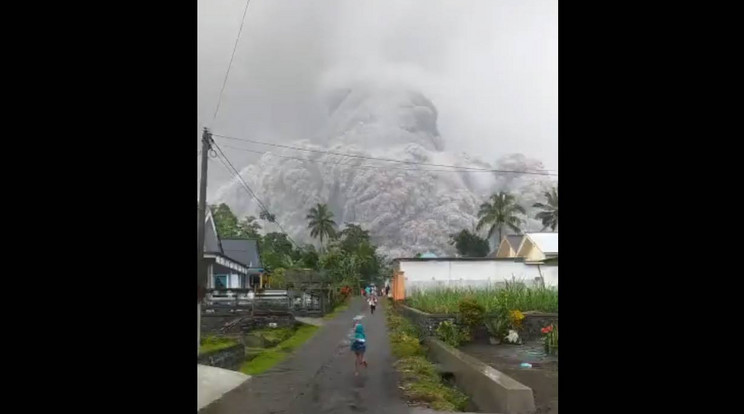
[443,273]
[213,324]
[550,274]
[426,323]
[534,322]
[228,358]
[490,390]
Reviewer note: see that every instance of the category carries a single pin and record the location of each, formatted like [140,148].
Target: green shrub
[452,334]
[471,313]
[497,327]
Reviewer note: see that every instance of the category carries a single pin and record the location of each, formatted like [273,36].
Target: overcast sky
[490,67]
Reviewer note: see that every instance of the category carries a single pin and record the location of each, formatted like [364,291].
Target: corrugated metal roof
[546,242]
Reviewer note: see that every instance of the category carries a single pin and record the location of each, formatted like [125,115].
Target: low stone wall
[427,323]
[533,322]
[242,324]
[228,358]
[489,389]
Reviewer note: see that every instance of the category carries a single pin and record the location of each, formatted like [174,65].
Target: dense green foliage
[347,257]
[469,244]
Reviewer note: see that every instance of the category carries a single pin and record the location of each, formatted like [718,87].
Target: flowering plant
[551,338]
[515,318]
[513,337]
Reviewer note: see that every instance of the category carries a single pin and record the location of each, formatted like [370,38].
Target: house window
[220,281]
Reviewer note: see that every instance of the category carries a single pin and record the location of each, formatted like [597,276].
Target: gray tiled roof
[243,251]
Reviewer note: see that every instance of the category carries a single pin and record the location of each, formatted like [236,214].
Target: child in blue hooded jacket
[359,346]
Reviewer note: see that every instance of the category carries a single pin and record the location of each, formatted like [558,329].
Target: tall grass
[512,296]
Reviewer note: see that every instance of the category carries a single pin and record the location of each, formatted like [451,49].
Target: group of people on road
[359,344]
[372,294]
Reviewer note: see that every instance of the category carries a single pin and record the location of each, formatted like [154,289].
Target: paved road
[319,377]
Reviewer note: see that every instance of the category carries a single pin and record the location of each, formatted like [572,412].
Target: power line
[457,168]
[229,66]
[223,158]
[233,171]
[372,167]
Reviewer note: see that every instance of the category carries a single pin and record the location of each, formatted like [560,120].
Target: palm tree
[501,211]
[321,223]
[549,215]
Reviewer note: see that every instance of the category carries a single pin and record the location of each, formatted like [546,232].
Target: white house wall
[550,273]
[480,273]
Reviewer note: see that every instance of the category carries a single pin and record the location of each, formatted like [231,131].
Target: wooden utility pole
[201,272]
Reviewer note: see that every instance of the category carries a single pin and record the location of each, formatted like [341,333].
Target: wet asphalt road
[319,377]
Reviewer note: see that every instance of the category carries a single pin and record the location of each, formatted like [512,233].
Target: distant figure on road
[372,304]
[387,290]
[368,291]
[359,346]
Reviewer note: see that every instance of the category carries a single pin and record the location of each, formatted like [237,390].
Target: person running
[359,346]
[372,304]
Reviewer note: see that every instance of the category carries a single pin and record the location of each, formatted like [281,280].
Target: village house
[534,262]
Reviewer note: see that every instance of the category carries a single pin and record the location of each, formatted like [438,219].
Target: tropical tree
[309,258]
[469,244]
[549,215]
[501,211]
[225,221]
[228,226]
[248,228]
[352,237]
[277,251]
[321,223]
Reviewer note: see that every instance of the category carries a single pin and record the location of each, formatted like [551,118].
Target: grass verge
[274,336]
[272,356]
[420,381]
[338,309]
[215,343]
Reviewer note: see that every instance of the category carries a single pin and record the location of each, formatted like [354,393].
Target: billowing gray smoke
[407,208]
